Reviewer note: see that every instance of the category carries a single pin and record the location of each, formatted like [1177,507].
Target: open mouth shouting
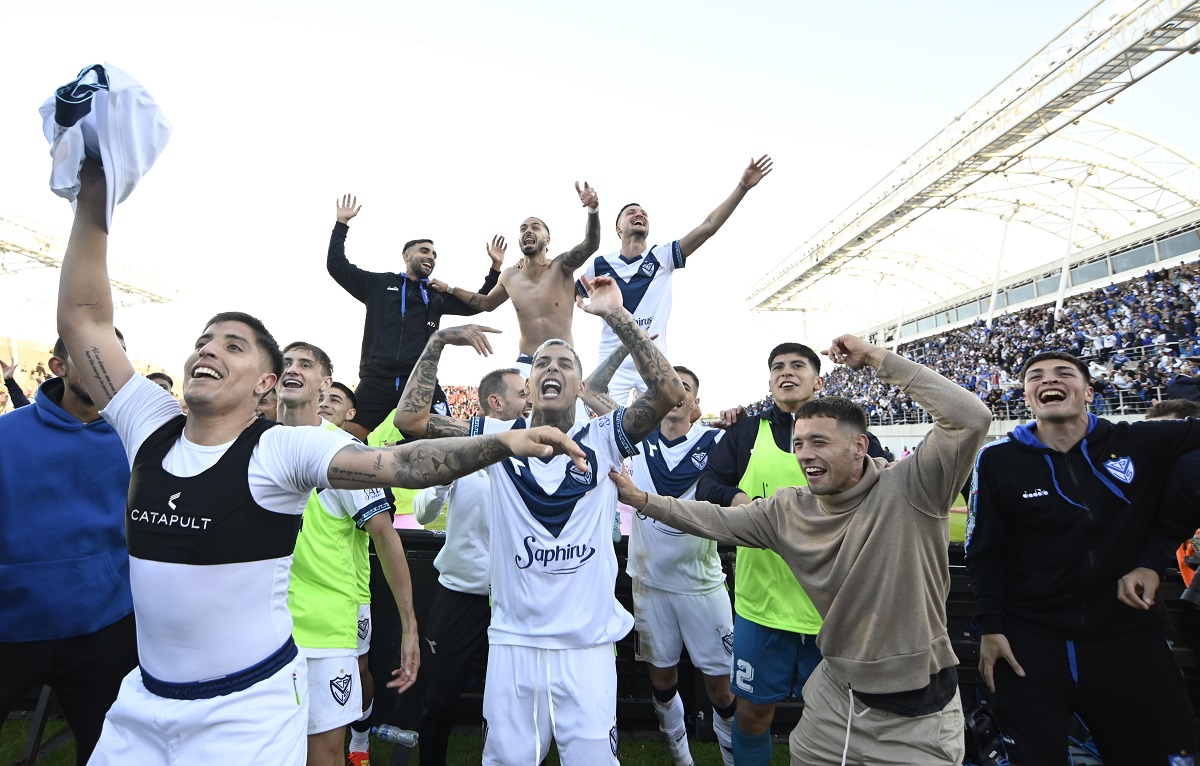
[1051,396]
[551,389]
[200,372]
[293,383]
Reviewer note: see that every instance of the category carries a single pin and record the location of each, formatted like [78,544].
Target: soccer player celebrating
[214,508]
[551,670]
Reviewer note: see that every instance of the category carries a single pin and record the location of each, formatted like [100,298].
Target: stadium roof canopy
[1022,154]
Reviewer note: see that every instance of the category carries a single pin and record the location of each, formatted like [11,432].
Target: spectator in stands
[67,616]
[12,390]
[163,381]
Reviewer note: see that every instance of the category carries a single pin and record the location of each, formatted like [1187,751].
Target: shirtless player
[542,290]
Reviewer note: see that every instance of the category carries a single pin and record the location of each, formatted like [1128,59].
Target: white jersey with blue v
[553,568]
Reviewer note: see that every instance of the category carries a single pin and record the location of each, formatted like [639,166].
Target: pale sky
[455,121]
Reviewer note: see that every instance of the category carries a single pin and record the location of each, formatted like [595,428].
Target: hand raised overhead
[496,251]
[603,296]
[347,208]
[757,170]
[587,195]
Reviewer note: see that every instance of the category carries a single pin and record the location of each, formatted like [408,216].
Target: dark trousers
[377,397]
[454,630]
[85,673]
[1129,693]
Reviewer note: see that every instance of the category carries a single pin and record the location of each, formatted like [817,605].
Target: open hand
[410,661]
[496,251]
[347,208]
[468,335]
[8,369]
[757,170]
[544,441]
[992,647]
[603,295]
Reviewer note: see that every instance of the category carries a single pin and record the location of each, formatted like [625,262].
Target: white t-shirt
[645,284]
[661,556]
[463,562]
[201,622]
[553,570]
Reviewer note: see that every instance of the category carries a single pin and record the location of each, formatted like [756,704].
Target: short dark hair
[795,348]
[262,337]
[345,390]
[1064,356]
[695,377]
[493,383]
[322,358]
[545,225]
[1175,409]
[60,346]
[161,376]
[412,242]
[841,409]
[622,210]
[564,344]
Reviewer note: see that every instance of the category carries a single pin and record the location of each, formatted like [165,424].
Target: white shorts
[666,622]
[533,695]
[365,629]
[262,724]
[334,692]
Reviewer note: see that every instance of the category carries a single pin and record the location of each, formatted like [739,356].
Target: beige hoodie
[873,559]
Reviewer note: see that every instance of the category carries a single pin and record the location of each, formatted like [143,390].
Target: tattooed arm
[663,387]
[421,464]
[85,305]
[412,413]
[595,388]
[578,255]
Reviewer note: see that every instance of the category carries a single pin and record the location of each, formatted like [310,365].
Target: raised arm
[416,465]
[349,277]
[578,255]
[663,387]
[477,302]
[943,461]
[15,394]
[717,218]
[85,305]
[412,414]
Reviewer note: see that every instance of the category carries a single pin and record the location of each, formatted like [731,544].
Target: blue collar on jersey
[553,509]
[675,482]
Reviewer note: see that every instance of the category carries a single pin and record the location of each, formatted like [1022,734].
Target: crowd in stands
[463,400]
[1138,337]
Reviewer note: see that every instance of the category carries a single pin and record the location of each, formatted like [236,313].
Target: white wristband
[594,210]
[449,289]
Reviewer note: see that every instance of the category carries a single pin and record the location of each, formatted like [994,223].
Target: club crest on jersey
[727,643]
[442,408]
[612,739]
[1121,469]
[583,477]
[700,460]
[363,624]
[340,689]
[648,268]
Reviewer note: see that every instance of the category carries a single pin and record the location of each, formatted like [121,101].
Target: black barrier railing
[635,711]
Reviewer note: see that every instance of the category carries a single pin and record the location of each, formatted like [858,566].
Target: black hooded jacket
[1050,533]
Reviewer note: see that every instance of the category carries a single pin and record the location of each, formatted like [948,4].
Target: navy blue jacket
[64,569]
[1050,533]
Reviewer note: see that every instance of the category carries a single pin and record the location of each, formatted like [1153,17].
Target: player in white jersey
[551,669]
[214,507]
[324,593]
[455,627]
[679,594]
[643,272]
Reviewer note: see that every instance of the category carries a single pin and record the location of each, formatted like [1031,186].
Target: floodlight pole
[1000,262]
[1066,263]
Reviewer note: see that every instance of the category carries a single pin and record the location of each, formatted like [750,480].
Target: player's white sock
[723,728]
[360,741]
[670,722]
